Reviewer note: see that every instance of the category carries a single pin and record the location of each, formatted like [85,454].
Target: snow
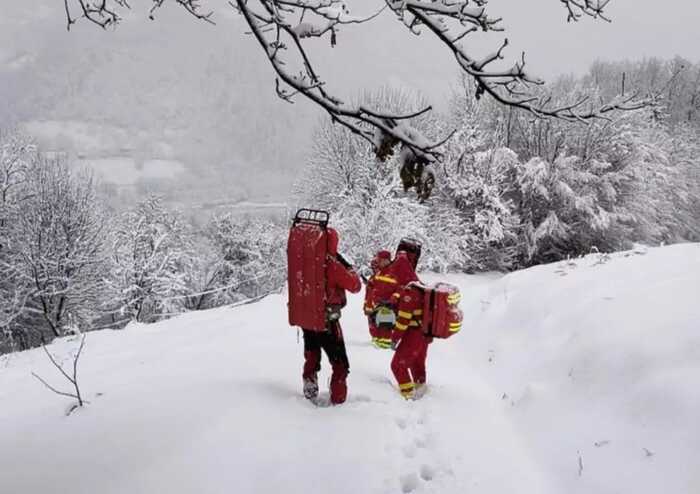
[576,377]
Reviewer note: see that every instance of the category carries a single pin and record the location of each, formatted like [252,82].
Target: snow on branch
[280,26]
[283,27]
[105,13]
[510,86]
[592,8]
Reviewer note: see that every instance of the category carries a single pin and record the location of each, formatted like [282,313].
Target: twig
[72,379]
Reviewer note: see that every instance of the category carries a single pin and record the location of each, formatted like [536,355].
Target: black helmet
[412,248]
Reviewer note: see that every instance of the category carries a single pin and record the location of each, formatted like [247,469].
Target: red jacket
[403,272]
[410,312]
[385,285]
[381,286]
[338,277]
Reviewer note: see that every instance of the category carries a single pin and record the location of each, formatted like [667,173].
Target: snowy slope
[577,377]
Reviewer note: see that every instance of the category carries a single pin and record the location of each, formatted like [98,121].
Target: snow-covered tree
[17,153]
[581,187]
[367,200]
[151,253]
[662,182]
[560,210]
[246,259]
[58,250]
[476,196]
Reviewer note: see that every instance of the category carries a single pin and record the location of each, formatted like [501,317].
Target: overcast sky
[639,28]
[371,54]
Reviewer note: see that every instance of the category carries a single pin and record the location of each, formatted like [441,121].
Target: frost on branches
[367,201]
[162,266]
[17,154]
[53,252]
[516,191]
[291,33]
[150,251]
[245,259]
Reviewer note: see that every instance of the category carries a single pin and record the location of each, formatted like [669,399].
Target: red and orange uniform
[384,289]
[408,364]
[339,279]
[378,297]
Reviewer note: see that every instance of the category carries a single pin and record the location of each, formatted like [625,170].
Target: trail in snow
[579,383]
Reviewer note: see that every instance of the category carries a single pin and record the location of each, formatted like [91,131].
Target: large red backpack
[442,316]
[307,249]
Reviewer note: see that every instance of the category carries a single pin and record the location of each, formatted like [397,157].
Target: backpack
[307,248]
[442,316]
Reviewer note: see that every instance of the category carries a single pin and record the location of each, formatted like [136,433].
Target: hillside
[576,377]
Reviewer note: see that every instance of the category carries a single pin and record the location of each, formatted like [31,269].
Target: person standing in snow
[403,268]
[384,288]
[380,288]
[410,343]
[340,276]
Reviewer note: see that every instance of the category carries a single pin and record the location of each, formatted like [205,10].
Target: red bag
[306,270]
[442,316]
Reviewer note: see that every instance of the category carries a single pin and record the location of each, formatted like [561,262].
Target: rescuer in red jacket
[403,270]
[410,342]
[340,276]
[384,287]
[380,288]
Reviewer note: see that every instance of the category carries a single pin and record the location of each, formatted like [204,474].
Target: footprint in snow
[409,482]
[409,451]
[422,442]
[427,472]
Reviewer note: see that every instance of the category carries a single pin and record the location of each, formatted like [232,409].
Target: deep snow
[576,377]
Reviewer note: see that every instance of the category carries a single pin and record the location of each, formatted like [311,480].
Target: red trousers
[408,364]
[379,335]
[331,341]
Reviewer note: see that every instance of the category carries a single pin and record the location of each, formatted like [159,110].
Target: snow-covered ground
[576,377]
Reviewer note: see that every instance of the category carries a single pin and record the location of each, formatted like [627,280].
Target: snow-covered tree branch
[284,30]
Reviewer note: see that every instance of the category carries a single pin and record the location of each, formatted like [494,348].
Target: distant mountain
[166,90]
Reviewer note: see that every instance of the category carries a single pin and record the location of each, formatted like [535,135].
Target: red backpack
[442,316]
[307,248]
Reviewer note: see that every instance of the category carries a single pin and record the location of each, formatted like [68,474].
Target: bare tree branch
[72,379]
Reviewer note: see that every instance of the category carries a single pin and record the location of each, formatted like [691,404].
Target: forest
[510,191]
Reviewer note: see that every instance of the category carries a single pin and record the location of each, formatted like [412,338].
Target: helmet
[381,259]
[412,248]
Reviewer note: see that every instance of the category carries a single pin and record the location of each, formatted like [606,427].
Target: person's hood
[384,254]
